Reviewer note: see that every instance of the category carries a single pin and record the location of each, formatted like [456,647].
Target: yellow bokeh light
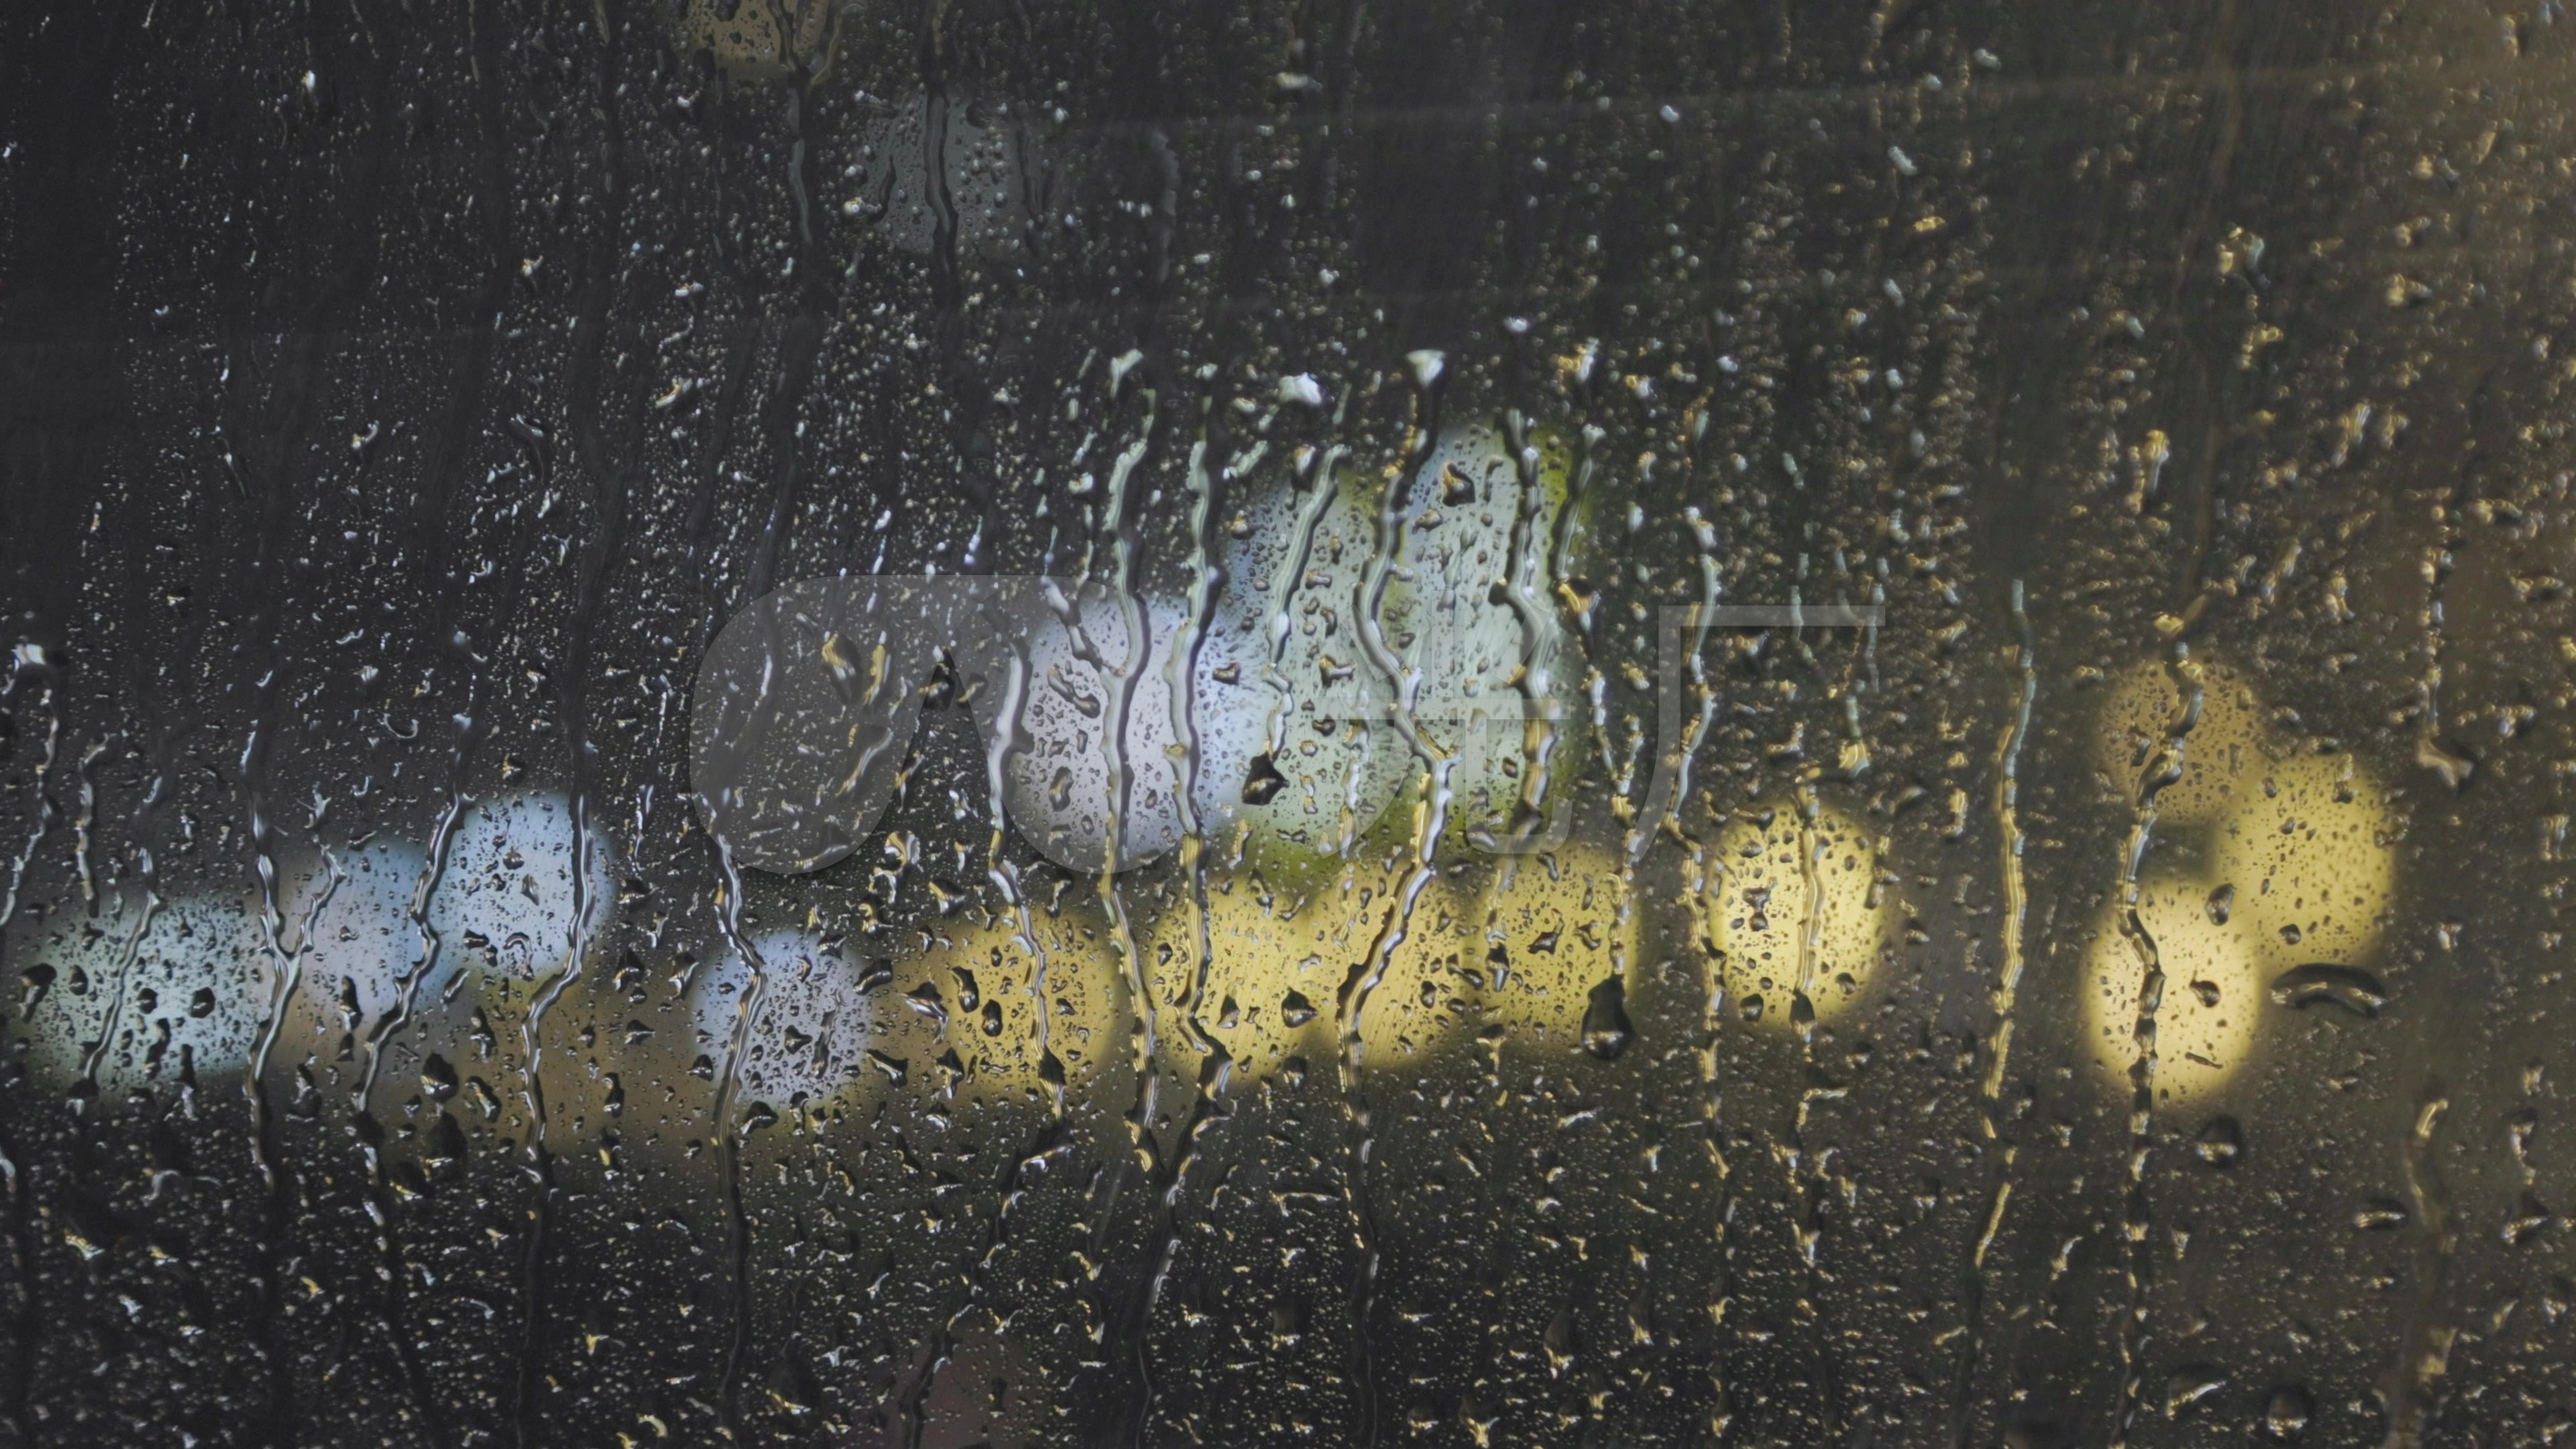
[967,987]
[1276,961]
[1507,954]
[2265,856]
[1790,904]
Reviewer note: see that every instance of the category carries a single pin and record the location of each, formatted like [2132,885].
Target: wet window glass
[1015,723]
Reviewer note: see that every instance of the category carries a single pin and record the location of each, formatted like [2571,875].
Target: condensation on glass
[1004,724]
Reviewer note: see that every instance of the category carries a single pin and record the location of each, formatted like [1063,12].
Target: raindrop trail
[737,1226]
[1049,1138]
[438,534]
[87,817]
[2001,1152]
[1178,668]
[1352,1003]
[2411,1387]
[43,810]
[1536,682]
[1702,889]
[1118,685]
[1119,690]
[397,1311]
[1805,1177]
[1180,671]
[286,968]
[729,1139]
[1147,1058]
[13,1162]
[425,957]
[599,556]
[1323,485]
[742,343]
[2161,770]
[285,974]
[121,984]
[1707,892]
[472,728]
[1431,819]
[284,965]
[2424,1345]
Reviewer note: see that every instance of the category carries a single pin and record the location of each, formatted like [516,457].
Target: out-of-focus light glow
[2265,856]
[1791,906]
